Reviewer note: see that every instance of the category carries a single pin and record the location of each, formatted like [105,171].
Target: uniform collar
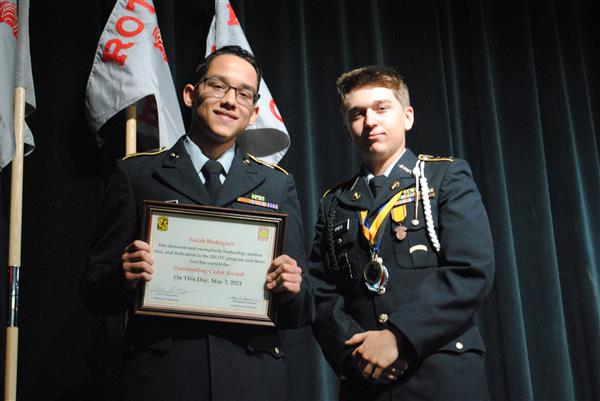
[199,159]
[358,195]
[178,172]
[369,175]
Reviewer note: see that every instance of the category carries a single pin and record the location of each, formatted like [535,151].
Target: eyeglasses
[214,87]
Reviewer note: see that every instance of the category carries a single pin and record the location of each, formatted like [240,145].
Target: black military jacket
[161,352]
[431,296]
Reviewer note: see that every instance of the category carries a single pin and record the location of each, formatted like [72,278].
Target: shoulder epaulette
[150,152]
[349,183]
[429,158]
[264,163]
[331,189]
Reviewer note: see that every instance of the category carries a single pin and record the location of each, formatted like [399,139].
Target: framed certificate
[210,263]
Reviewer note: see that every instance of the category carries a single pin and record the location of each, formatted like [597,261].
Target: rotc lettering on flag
[131,67]
[113,47]
[268,137]
[8,15]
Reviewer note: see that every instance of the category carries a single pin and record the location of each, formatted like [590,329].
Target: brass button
[383,318]
[276,351]
[459,345]
[356,196]
[246,160]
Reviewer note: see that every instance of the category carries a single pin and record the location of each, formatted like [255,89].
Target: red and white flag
[15,71]
[268,138]
[130,66]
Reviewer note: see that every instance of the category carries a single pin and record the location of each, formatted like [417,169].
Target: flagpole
[131,130]
[14,249]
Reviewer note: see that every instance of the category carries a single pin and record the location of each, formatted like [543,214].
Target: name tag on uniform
[342,227]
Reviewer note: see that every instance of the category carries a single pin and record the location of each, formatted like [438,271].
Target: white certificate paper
[210,265]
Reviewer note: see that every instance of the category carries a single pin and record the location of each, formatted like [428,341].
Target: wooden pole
[11,358]
[14,249]
[131,130]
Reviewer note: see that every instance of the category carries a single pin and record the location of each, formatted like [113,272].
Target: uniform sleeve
[450,294]
[102,285]
[332,325]
[300,310]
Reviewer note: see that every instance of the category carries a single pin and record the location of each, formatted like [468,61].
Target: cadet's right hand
[137,263]
[376,355]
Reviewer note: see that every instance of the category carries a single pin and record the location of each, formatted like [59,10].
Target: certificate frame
[214,279]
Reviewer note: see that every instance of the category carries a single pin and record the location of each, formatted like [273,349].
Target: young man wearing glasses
[179,359]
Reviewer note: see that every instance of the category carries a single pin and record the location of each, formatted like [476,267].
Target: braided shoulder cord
[333,264]
[427,204]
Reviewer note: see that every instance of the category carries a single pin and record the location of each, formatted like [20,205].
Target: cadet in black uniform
[401,260]
[178,359]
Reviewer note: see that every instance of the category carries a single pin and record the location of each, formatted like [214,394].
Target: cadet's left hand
[285,277]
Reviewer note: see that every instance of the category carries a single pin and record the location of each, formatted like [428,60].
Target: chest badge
[258,200]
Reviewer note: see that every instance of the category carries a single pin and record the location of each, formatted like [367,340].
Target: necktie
[376,184]
[211,170]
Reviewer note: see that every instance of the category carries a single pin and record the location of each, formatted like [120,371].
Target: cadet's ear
[189,93]
[409,118]
[253,116]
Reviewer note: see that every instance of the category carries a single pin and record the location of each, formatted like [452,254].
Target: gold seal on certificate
[210,263]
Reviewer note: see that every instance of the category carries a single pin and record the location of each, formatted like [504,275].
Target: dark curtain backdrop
[511,86]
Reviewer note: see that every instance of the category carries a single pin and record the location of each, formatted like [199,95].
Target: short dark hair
[372,76]
[234,50]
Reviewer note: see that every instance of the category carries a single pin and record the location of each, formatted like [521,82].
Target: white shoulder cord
[419,173]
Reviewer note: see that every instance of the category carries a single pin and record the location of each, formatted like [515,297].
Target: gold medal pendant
[376,275]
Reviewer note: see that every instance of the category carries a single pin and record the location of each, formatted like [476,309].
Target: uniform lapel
[243,177]
[177,171]
[398,180]
[358,195]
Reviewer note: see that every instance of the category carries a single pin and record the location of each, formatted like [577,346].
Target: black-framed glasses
[216,87]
